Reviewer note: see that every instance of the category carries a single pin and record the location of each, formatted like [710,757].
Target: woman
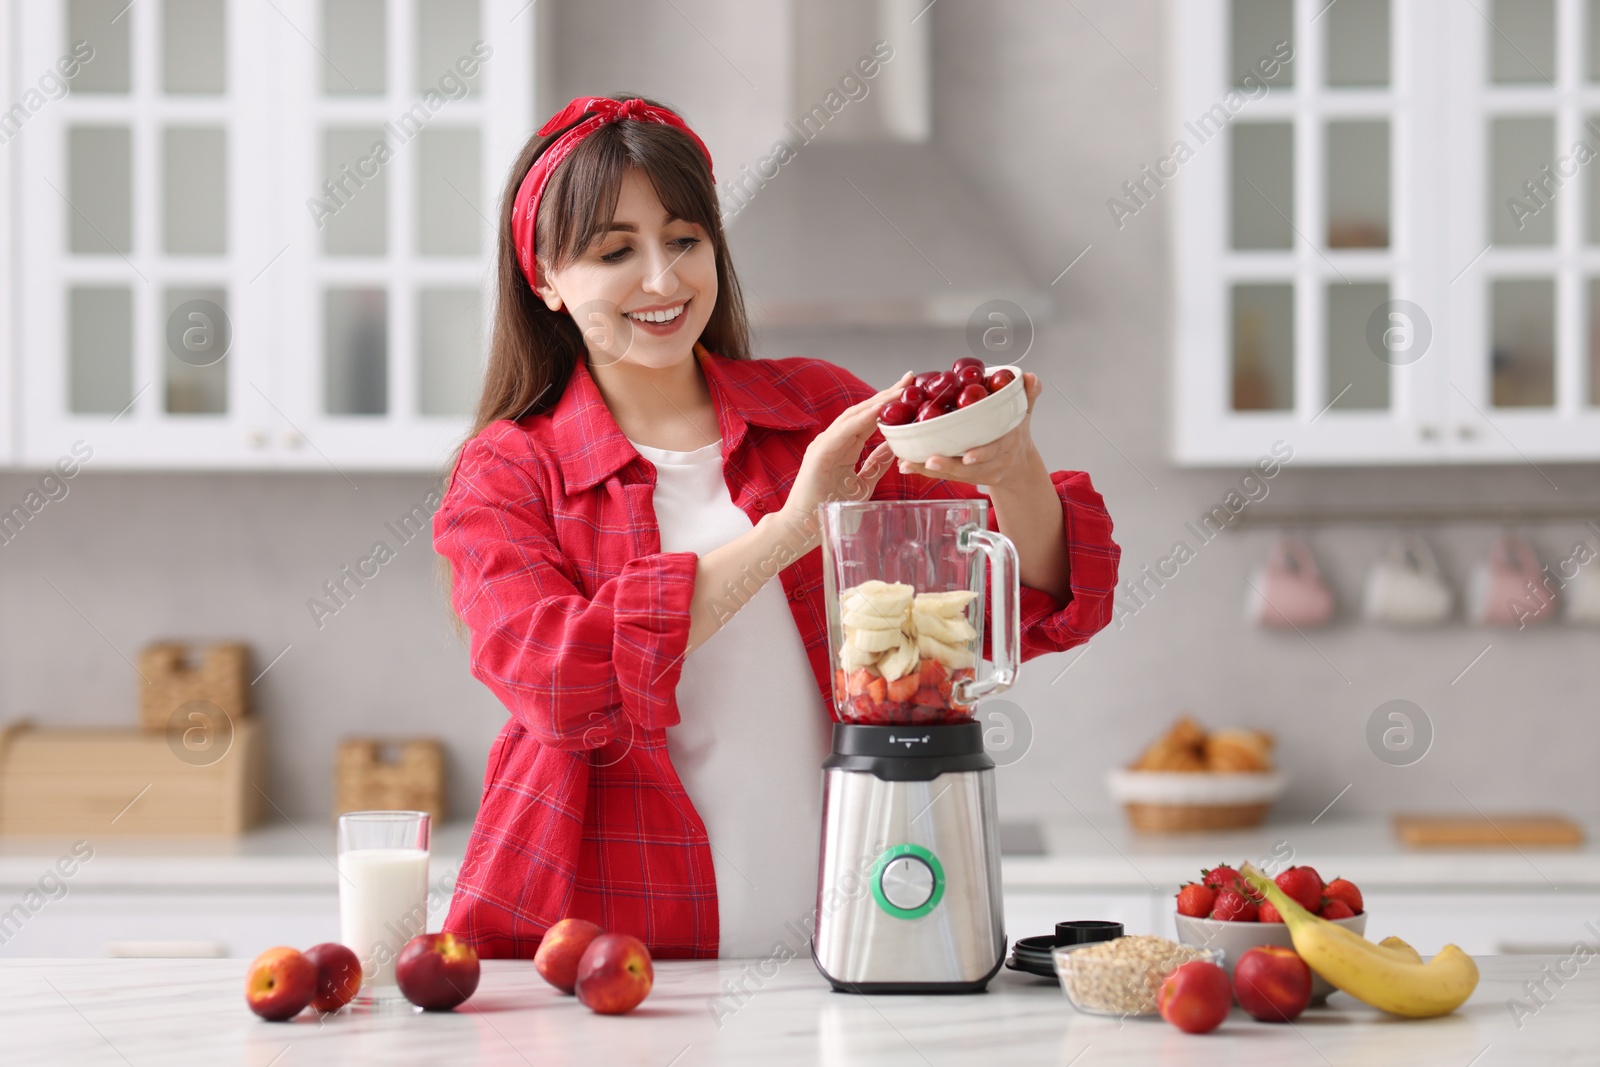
[632,480]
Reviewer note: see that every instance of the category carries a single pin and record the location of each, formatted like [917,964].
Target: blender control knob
[907,882]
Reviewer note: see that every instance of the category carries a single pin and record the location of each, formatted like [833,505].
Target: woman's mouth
[660,321]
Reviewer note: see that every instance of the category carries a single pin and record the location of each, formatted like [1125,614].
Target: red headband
[601,109]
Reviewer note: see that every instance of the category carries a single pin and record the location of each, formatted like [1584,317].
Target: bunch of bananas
[1390,975]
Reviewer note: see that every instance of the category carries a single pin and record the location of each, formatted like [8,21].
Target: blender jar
[905,583]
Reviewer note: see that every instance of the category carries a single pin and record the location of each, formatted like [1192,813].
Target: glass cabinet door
[415,110]
[137,309]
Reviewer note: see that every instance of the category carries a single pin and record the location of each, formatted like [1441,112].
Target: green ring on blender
[888,857]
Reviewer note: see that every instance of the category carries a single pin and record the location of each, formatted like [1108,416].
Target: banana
[876,640]
[952,656]
[946,603]
[1385,976]
[950,630]
[898,661]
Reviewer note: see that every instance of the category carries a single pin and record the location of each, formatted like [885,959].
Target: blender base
[978,985]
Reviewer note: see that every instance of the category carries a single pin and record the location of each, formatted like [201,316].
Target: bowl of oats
[1123,976]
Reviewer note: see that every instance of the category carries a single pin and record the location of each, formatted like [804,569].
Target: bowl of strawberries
[1220,911]
[944,413]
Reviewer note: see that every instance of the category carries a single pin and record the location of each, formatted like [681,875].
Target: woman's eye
[686,243]
[614,256]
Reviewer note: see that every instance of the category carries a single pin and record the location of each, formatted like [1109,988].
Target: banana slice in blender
[946,603]
[898,661]
[852,658]
[875,640]
[949,629]
[951,656]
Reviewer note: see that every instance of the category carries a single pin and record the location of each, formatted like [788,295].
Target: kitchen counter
[176,1012]
[1101,854]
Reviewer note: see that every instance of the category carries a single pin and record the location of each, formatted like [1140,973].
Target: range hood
[865,223]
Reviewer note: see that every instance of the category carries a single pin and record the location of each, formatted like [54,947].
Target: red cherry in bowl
[966,361]
[932,410]
[944,389]
[914,395]
[921,381]
[999,379]
[897,413]
[970,376]
[970,395]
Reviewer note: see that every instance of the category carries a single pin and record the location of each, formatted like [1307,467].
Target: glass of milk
[383,892]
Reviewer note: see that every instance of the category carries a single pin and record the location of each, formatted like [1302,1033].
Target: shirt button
[759,504]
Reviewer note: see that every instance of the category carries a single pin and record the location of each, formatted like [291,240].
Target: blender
[908,881]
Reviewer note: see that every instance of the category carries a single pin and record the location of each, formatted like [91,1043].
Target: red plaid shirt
[579,623]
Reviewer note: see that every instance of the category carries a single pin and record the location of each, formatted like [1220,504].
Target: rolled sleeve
[1049,625]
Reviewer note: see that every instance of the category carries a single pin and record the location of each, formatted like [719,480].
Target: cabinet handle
[257,438]
[1466,431]
[293,439]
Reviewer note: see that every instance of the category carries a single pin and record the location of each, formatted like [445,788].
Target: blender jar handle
[1005,638]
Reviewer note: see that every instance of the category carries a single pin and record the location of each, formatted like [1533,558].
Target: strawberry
[877,690]
[1336,909]
[1220,877]
[1269,914]
[903,688]
[933,674]
[1234,906]
[1195,900]
[856,684]
[1304,885]
[1345,890]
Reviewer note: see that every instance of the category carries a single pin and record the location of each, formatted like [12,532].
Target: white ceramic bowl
[977,424]
[1234,938]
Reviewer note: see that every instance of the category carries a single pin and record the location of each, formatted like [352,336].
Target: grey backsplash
[1048,118]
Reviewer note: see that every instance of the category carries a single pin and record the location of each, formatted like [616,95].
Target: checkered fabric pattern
[579,621]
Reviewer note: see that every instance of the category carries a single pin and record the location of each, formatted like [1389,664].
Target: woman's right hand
[828,471]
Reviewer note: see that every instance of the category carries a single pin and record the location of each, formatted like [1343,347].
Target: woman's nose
[659,274]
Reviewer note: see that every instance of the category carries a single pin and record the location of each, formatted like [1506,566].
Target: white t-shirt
[753,731]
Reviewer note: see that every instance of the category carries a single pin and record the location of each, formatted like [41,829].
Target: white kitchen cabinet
[188,163]
[1487,923]
[84,922]
[1361,271]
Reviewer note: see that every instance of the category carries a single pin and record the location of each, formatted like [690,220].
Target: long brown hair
[532,350]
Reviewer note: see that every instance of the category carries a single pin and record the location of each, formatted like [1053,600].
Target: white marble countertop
[176,1012]
[1098,853]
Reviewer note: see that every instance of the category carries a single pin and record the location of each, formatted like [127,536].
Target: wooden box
[103,780]
[219,675]
[372,774]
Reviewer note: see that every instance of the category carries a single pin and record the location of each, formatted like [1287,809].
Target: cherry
[970,376]
[914,395]
[999,379]
[897,413]
[971,394]
[964,362]
[932,410]
[943,389]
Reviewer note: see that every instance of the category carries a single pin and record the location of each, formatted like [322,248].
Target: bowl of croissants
[1190,780]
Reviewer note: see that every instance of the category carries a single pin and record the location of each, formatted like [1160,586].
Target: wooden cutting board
[1493,831]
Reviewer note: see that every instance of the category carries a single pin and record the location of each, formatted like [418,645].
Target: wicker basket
[372,774]
[1194,818]
[220,676]
[1179,802]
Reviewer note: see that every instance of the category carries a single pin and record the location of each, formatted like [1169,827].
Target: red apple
[437,971]
[338,975]
[615,974]
[1273,983]
[1195,998]
[279,983]
[561,950]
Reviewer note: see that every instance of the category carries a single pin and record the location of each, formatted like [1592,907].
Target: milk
[383,903]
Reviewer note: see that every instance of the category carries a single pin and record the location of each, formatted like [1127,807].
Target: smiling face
[643,291]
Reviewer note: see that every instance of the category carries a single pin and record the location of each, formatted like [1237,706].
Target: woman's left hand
[999,463]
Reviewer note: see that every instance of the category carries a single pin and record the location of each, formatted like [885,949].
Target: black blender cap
[1083,931]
